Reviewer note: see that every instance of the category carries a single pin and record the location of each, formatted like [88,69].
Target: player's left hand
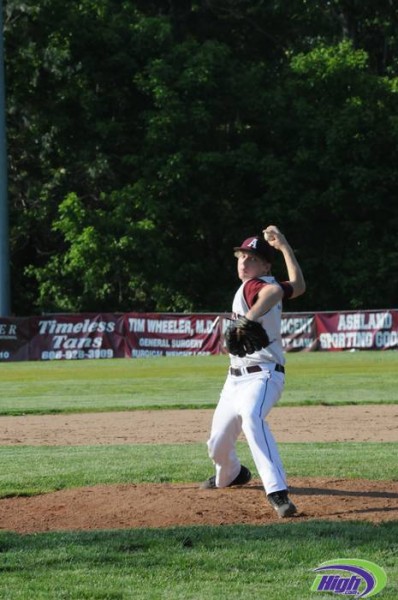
[244,337]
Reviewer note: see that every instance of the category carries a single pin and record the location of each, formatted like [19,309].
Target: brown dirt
[373,423]
[164,505]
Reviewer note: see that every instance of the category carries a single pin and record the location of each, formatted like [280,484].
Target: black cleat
[243,477]
[281,504]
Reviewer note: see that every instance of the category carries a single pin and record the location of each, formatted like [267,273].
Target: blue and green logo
[350,577]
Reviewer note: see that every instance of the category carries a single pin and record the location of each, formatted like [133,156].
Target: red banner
[171,335]
[77,337]
[365,330]
[15,336]
[298,332]
[134,335]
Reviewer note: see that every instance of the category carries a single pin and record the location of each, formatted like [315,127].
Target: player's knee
[252,424]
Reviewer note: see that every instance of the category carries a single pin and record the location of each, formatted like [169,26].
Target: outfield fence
[135,335]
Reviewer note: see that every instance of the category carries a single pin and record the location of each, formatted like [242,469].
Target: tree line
[147,138]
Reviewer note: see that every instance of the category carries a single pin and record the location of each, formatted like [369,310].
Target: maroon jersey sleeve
[253,286]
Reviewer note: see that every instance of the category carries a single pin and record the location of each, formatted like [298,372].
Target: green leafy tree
[72,122]
[178,219]
[333,166]
[147,138]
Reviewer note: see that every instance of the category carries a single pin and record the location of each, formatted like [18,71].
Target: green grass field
[207,563]
[189,382]
[273,561]
[27,470]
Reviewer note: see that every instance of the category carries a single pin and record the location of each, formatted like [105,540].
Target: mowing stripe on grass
[192,382]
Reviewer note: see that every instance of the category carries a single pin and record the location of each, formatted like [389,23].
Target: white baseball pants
[244,403]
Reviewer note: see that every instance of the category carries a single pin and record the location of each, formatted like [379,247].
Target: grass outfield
[189,382]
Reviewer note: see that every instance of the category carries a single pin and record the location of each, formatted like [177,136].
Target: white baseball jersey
[270,321]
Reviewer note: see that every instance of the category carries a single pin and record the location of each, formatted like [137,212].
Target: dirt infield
[164,505]
[373,423]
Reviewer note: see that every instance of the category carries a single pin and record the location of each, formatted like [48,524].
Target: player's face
[250,266]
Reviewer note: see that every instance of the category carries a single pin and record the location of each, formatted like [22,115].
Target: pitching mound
[167,505]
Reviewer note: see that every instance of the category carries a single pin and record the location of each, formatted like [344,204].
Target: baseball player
[256,374]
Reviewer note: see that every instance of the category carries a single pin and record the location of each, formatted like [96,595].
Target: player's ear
[267,266]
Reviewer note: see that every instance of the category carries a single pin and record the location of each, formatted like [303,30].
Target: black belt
[254,369]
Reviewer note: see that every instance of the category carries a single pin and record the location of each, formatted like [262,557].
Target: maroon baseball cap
[259,246]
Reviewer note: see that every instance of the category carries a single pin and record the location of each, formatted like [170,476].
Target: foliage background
[147,138]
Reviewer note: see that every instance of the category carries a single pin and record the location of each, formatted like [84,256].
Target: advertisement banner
[171,334]
[135,335]
[364,330]
[71,337]
[15,335]
[299,332]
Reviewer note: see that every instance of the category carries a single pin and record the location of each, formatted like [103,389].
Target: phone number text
[76,354]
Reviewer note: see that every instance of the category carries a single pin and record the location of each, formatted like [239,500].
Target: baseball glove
[244,336]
